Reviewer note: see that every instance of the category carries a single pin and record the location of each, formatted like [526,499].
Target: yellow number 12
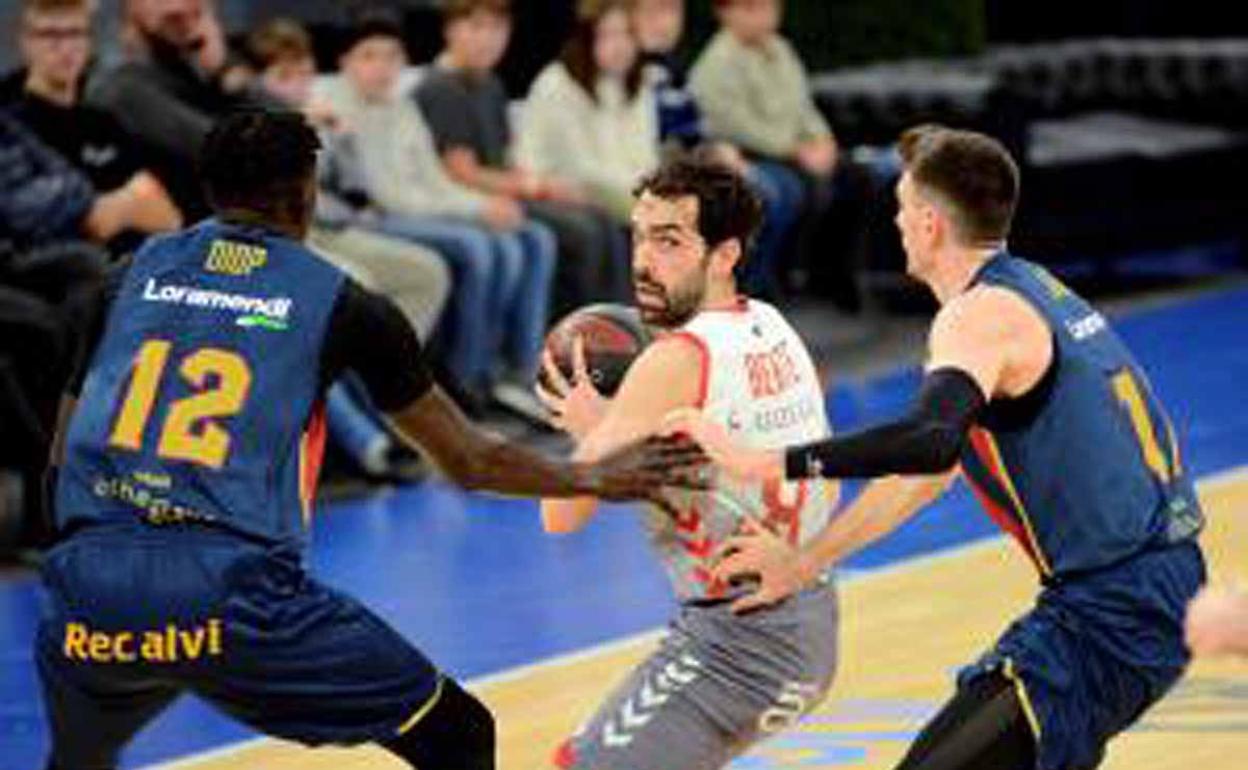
[223,380]
[1128,392]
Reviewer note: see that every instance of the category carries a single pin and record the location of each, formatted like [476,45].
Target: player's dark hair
[259,161]
[970,171]
[727,207]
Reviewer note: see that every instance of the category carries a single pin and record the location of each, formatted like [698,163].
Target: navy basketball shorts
[136,618]
[1098,650]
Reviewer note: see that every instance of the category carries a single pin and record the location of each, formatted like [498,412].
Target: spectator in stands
[55,44]
[466,108]
[589,116]
[49,212]
[33,365]
[659,25]
[754,91]
[413,277]
[176,79]
[502,263]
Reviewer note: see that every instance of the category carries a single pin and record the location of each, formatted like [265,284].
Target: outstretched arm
[368,335]
[782,570]
[477,459]
[988,342]
[663,378]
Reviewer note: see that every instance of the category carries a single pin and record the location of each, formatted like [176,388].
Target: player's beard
[669,308]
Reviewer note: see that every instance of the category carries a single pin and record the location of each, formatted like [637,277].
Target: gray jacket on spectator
[42,197]
[342,195]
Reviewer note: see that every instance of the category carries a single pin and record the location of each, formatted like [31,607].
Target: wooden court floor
[904,632]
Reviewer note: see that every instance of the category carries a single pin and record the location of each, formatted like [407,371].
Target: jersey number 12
[190,431]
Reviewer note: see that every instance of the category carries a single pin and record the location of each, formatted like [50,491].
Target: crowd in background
[483,218]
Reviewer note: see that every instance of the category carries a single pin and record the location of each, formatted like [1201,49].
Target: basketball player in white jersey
[719,681]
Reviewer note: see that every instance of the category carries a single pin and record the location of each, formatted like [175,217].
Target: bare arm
[996,337]
[477,459]
[783,570]
[664,377]
[989,342]
[154,211]
[882,507]
[464,167]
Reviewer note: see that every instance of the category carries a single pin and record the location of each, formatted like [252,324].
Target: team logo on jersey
[235,258]
[272,313]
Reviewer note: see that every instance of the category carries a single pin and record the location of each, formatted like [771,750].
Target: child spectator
[660,24]
[466,108]
[754,92]
[502,264]
[55,43]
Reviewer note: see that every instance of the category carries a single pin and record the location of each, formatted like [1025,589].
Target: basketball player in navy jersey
[189,453]
[1056,428]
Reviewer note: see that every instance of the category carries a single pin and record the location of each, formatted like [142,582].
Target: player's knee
[457,732]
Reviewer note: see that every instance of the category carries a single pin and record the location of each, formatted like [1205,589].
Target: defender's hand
[741,462]
[1217,622]
[755,553]
[640,470]
[576,407]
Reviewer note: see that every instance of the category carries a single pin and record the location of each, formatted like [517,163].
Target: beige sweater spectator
[607,145]
[757,97]
[399,160]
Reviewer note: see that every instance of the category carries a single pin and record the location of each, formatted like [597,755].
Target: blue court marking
[474,582]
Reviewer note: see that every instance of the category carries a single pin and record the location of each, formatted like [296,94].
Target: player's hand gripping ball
[613,336]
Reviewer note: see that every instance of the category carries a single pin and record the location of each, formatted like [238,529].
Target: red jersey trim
[311,456]
[704,357]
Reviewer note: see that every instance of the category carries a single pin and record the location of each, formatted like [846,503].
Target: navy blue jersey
[201,401]
[1085,470]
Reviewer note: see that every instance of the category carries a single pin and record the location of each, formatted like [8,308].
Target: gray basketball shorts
[717,683]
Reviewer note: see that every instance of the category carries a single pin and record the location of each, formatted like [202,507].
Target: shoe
[520,401]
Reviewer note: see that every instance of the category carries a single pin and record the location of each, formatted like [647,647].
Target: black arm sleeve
[369,335]
[927,440]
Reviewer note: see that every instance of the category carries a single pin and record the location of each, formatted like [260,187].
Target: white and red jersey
[758,381]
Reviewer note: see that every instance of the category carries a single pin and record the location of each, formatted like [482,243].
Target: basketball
[614,335]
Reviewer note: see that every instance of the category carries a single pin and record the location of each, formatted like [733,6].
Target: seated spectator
[55,44]
[753,91]
[502,264]
[176,79]
[659,25]
[49,212]
[466,108]
[589,118]
[413,277]
[32,371]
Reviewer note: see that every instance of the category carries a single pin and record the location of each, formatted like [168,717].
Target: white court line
[1206,483]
